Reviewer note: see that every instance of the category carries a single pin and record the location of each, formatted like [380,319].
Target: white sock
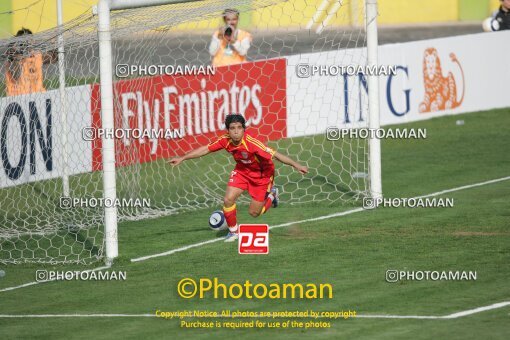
[233,229]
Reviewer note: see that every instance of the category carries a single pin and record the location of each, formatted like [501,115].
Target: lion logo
[440,92]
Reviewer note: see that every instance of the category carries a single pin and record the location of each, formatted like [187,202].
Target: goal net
[293,89]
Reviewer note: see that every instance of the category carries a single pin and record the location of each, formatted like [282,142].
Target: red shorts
[258,188]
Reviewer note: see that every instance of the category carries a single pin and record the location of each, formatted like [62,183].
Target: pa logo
[253,239]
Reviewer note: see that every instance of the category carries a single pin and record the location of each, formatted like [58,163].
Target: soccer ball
[490,25]
[217,221]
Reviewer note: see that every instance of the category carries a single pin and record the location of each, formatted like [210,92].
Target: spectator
[24,66]
[229,45]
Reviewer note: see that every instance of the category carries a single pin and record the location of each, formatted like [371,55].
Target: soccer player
[254,171]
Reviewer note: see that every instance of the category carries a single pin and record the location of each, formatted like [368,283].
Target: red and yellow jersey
[252,157]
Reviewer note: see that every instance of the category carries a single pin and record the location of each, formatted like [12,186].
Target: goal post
[62,92]
[107,114]
[131,67]
[107,122]
[373,100]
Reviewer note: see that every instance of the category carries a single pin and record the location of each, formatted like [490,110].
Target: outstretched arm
[287,160]
[201,151]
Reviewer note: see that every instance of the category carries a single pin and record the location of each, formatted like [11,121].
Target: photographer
[229,45]
[24,73]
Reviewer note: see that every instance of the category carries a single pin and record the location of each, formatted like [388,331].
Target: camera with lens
[228,31]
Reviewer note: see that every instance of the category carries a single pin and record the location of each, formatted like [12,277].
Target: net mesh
[288,111]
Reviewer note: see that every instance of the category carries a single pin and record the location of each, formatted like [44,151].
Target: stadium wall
[30,145]
[292,13]
[38,15]
[277,102]
[341,100]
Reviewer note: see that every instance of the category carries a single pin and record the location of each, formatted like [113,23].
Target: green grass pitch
[352,253]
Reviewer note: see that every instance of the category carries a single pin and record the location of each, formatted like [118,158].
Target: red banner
[185,112]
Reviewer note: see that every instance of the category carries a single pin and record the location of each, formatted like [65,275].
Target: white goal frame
[107,114]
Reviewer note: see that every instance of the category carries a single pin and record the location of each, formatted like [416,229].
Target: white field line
[37,282]
[367,316]
[173,251]
[343,213]
[466,187]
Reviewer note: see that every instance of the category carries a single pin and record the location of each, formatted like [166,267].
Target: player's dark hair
[235,118]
